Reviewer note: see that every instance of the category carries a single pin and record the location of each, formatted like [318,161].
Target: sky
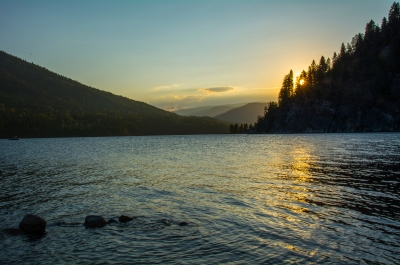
[182,54]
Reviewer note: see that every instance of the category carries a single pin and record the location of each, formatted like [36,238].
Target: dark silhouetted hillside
[35,102]
[357,91]
[244,114]
[210,111]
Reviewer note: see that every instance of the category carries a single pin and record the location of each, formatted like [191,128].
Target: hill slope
[210,111]
[244,114]
[35,102]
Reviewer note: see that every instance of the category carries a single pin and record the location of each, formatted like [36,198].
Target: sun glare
[301,81]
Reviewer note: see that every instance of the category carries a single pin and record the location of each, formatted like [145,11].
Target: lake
[247,199]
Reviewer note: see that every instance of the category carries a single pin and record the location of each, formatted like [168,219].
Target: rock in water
[111,221]
[182,224]
[92,221]
[13,231]
[124,218]
[33,224]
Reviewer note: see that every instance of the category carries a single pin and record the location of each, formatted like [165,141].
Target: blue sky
[182,54]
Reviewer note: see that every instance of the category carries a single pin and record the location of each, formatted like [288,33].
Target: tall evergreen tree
[394,13]
[287,88]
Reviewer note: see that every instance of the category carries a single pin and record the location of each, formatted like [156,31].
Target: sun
[301,81]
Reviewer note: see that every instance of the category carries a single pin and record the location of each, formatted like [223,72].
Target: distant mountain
[210,111]
[35,102]
[193,111]
[244,114]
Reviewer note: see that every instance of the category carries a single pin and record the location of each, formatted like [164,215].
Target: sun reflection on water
[301,164]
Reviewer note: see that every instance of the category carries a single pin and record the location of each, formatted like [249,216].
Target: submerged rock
[124,218]
[33,224]
[13,231]
[92,221]
[182,224]
[111,221]
[67,224]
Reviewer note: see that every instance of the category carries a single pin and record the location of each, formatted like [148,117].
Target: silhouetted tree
[236,128]
[362,71]
[287,88]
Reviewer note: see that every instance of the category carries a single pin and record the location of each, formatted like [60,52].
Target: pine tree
[394,13]
[287,88]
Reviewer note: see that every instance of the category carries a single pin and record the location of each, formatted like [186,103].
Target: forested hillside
[35,102]
[244,114]
[358,90]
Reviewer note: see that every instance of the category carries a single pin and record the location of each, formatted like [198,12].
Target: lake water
[248,199]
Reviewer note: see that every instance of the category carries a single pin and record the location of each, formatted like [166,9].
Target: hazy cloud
[175,102]
[165,87]
[212,96]
[219,89]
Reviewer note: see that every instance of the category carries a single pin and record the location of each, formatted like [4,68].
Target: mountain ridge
[210,111]
[232,113]
[244,114]
[35,102]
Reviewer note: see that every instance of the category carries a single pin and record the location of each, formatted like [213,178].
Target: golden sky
[182,54]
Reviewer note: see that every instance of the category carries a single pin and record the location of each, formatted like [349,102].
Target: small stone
[92,221]
[124,218]
[111,221]
[182,224]
[33,224]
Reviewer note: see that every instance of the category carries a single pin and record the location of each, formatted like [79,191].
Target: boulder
[92,221]
[33,224]
[124,218]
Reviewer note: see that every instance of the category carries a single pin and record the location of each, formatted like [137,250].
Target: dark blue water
[248,199]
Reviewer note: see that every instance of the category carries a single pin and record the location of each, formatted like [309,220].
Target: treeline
[359,81]
[35,102]
[240,129]
[57,123]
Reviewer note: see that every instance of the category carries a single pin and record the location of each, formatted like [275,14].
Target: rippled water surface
[248,199]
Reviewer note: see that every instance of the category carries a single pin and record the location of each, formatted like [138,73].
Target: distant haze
[234,113]
[182,54]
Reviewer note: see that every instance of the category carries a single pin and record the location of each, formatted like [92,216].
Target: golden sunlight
[300,166]
[301,81]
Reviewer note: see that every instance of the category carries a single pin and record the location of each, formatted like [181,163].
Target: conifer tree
[287,88]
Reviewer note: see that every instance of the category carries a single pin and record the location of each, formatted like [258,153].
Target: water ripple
[247,199]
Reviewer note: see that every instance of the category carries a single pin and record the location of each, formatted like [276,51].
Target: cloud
[218,89]
[175,102]
[165,87]
[212,96]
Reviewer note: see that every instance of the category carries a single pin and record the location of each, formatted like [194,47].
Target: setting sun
[301,81]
